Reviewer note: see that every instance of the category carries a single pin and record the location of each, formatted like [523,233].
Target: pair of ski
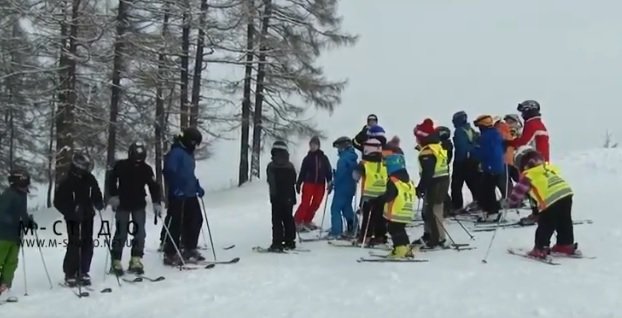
[208,264]
[142,278]
[85,291]
[519,224]
[226,248]
[355,244]
[260,249]
[550,259]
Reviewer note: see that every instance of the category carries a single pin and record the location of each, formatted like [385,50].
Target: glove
[31,224]
[157,210]
[420,192]
[114,202]
[298,188]
[329,187]
[200,192]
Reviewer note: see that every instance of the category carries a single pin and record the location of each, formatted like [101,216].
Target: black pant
[487,192]
[398,233]
[185,220]
[124,226]
[283,226]
[504,182]
[513,172]
[79,247]
[372,214]
[558,218]
[464,172]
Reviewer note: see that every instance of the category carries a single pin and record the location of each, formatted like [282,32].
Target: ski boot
[422,240]
[490,218]
[136,266]
[289,245]
[401,252]
[567,249]
[3,288]
[173,260]
[193,256]
[276,248]
[71,281]
[541,253]
[85,280]
[116,268]
[375,241]
[312,226]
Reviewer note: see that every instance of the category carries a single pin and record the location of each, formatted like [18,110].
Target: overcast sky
[432,58]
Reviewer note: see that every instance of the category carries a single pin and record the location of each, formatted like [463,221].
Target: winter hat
[395,141]
[342,142]
[484,121]
[372,117]
[443,132]
[375,131]
[372,146]
[423,130]
[395,162]
[315,140]
[279,145]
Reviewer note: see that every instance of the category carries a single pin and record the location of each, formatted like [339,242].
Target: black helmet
[137,152]
[342,142]
[191,137]
[528,106]
[443,132]
[81,161]
[19,178]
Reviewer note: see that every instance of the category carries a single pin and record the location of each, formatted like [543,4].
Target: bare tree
[246,102]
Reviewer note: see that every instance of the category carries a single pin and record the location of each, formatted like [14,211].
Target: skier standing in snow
[489,152]
[185,216]
[444,135]
[465,167]
[433,186]
[543,182]
[13,215]
[281,177]
[316,176]
[534,132]
[77,197]
[398,202]
[344,191]
[373,175]
[128,179]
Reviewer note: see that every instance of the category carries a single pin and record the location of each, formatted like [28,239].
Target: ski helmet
[514,118]
[395,162]
[191,137]
[528,106]
[279,146]
[137,152]
[81,161]
[19,178]
[459,117]
[443,132]
[523,155]
[342,142]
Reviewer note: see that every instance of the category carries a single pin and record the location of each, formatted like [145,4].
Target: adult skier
[13,215]
[316,176]
[534,132]
[465,167]
[344,191]
[281,177]
[544,183]
[364,134]
[77,197]
[128,179]
[489,152]
[185,216]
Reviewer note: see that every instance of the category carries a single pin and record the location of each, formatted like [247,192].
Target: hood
[401,174]
[348,153]
[280,158]
[178,144]
[431,139]
[459,123]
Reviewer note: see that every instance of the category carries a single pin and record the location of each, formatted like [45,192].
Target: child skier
[398,201]
[534,133]
[316,176]
[373,174]
[444,135]
[344,191]
[542,182]
[432,187]
[76,198]
[281,176]
[184,216]
[364,134]
[13,215]
[128,179]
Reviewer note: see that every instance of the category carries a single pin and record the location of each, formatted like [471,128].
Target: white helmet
[520,153]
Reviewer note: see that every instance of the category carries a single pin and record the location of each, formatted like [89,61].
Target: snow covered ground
[328,282]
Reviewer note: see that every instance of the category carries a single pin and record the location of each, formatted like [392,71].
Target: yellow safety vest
[442,167]
[547,187]
[375,179]
[401,209]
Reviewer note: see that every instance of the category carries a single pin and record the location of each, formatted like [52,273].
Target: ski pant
[433,211]
[122,223]
[504,182]
[184,224]
[398,233]
[9,252]
[513,173]
[464,172]
[373,222]
[283,226]
[79,247]
[310,201]
[488,193]
[341,208]
[556,218]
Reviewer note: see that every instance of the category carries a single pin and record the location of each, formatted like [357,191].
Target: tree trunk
[11,139]
[159,117]
[259,87]
[66,95]
[246,102]
[51,157]
[198,67]
[115,95]
[185,48]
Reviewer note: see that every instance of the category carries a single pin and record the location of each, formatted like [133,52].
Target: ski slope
[328,282]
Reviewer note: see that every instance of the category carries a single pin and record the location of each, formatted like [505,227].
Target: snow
[328,282]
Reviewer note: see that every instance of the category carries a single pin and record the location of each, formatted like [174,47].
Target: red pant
[312,196]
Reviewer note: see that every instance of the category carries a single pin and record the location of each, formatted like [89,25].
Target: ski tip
[235,260]
[106,290]
[208,266]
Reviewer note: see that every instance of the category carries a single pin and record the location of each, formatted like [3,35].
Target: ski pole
[24,268]
[323,215]
[494,234]
[45,267]
[464,228]
[209,231]
[108,248]
[170,237]
[366,204]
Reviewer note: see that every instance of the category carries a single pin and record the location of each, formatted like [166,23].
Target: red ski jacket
[535,135]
